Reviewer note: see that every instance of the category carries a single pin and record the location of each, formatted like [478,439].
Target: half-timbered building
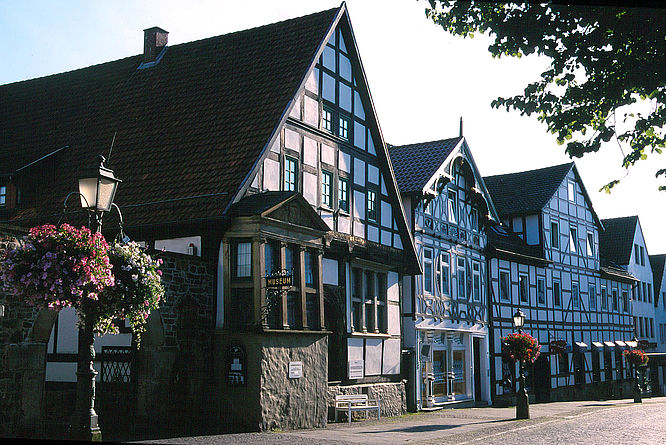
[658,263]
[544,260]
[623,243]
[258,155]
[445,312]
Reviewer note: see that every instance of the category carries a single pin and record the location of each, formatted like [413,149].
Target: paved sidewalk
[457,426]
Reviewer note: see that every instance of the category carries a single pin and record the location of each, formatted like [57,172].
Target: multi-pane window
[243,260]
[652,327]
[326,191]
[625,301]
[614,293]
[427,270]
[592,295]
[290,174]
[3,195]
[446,274]
[370,296]
[554,235]
[504,286]
[604,298]
[372,205]
[573,239]
[557,293]
[343,127]
[310,259]
[475,220]
[369,302]
[590,244]
[291,262]
[575,295]
[541,290]
[272,257]
[461,278]
[644,286]
[637,254]
[523,288]
[327,120]
[452,208]
[476,280]
[293,309]
[343,194]
[642,255]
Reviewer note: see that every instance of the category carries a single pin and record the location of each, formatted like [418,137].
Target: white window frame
[451,206]
[477,288]
[445,277]
[571,192]
[427,270]
[326,189]
[555,234]
[575,296]
[290,177]
[504,296]
[557,302]
[243,259]
[461,278]
[541,291]
[592,296]
[604,297]
[524,288]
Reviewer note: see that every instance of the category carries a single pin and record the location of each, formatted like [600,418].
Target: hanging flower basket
[636,357]
[137,289]
[521,347]
[56,267]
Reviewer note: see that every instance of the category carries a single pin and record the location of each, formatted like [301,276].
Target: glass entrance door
[439,367]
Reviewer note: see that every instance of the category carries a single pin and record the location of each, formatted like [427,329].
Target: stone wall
[174,364]
[392,395]
[297,402]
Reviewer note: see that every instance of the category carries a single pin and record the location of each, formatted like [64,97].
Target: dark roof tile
[414,164]
[525,192]
[206,112]
[617,239]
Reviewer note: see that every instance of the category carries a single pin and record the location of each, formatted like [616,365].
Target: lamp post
[97,192]
[638,396]
[522,401]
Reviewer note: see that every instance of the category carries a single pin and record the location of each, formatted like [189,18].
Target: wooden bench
[356,402]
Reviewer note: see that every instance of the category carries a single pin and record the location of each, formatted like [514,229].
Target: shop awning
[581,346]
[609,344]
[597,344]
[621,344]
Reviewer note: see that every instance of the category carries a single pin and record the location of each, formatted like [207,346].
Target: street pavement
[583,422]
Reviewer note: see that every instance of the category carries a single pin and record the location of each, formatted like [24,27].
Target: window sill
[296,331]
[370,335]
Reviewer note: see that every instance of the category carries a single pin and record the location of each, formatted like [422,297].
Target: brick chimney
[154,41]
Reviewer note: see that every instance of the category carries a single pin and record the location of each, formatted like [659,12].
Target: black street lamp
[638,391]
[522,401]
[97,192]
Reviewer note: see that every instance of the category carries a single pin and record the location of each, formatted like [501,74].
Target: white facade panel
[330,271]
[373,356]
[328,154]
[310,151]
[359,171]
[271,174]
[311,111]
[344,162]
[310,188]
[391,362]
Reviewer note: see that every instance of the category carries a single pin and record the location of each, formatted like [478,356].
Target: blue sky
[421,79]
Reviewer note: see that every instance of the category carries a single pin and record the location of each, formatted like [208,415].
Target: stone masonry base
[392,395]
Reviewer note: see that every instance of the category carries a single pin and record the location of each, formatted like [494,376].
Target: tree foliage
[604,63]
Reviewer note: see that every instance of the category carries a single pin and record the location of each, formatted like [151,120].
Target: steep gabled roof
[528,191]
[415,164]
[657,263]
[206,111]
[617,240]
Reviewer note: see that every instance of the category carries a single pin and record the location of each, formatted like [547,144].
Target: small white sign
[356,369]
[295,370]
